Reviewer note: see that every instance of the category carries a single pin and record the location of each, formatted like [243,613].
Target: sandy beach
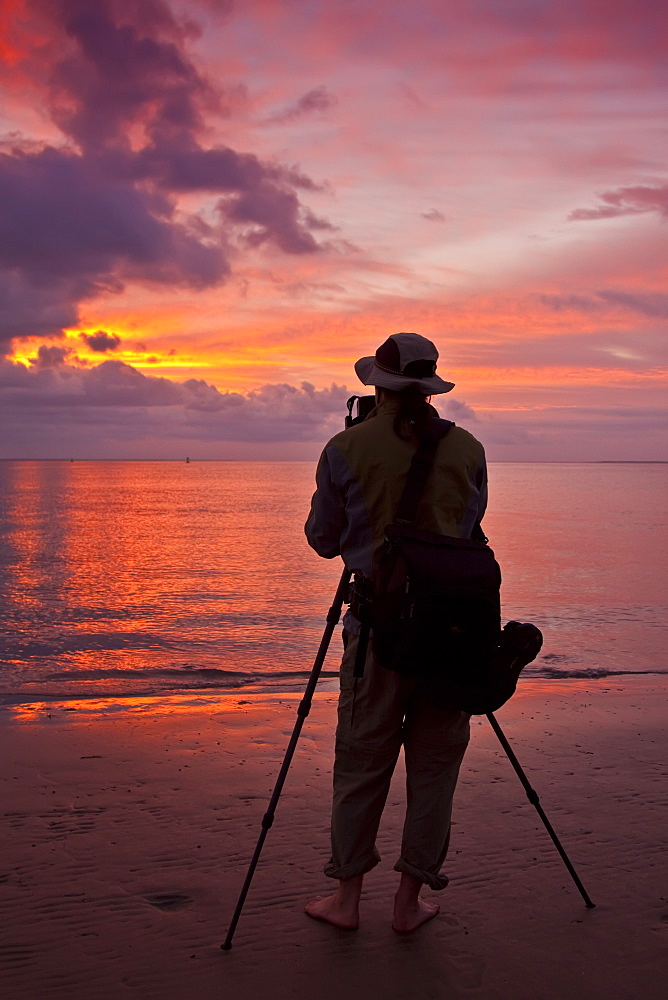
[127,833]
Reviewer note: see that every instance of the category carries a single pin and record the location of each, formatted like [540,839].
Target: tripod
[303,710]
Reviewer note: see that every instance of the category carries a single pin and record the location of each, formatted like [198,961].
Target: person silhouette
[359,482]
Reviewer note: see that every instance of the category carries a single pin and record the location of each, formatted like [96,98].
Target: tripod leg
[535,801]
[333,616]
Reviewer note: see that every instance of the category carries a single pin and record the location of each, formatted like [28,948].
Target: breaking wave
[84,684]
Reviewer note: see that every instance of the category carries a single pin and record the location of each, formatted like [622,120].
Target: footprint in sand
[168,900]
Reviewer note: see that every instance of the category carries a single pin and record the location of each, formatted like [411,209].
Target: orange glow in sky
[277,194]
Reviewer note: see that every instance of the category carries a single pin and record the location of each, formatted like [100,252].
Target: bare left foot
[408,916]
[335,911]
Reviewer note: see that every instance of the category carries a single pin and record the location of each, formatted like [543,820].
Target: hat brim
[369,373]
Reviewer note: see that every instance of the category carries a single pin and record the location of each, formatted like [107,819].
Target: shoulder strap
[420,468]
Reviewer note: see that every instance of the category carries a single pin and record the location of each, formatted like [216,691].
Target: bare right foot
[334,910]
[409,915]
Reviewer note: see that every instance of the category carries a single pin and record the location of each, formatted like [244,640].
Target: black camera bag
[435,611]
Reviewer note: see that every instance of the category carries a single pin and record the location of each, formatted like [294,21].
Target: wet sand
[127,834]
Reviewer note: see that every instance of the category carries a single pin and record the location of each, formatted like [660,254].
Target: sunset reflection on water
[143,578]
[181,573]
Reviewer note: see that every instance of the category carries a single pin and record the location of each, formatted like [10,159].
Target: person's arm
[327,519]
[481,485]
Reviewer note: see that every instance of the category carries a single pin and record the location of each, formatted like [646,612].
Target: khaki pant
[377,713]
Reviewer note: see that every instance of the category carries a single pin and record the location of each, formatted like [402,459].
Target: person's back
[368,464]
[360,479]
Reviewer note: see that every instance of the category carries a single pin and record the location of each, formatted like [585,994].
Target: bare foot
[334,910]
[408,916]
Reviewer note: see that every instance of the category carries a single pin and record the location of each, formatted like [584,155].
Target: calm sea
[146,578]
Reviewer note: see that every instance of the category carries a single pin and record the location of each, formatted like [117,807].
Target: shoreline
[203,699]
[127,835]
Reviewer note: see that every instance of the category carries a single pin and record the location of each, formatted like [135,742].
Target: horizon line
[498,461]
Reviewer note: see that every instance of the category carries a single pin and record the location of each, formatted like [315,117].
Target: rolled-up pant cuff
[359,867]
[433,881]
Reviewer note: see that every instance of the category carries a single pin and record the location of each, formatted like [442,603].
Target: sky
[210,210]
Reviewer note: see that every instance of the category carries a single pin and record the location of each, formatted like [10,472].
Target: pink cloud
[54,410]
[55,392]
[648,303]
[487,44]
[318,100]
[627,201]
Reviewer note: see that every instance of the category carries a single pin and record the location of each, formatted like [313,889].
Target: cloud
[54,409]
[271,213]
[104,210]
[64,219]
[29,308]
[433,215]
[69,231]
[569,302]
[626,201]
[315,101]
[120,62]
[572,433]
[101,342]
[457,409]
[652,304]
[50,357]
[54,395]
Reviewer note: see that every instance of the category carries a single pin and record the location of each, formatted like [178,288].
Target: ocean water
[123,579]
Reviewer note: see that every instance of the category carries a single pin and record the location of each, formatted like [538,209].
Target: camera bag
[435,609]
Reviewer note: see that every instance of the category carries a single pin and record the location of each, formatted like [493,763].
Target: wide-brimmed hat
[404,361]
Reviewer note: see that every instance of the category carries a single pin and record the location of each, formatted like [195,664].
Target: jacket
[360,478]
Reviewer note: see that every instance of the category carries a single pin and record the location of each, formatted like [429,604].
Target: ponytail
[413,415]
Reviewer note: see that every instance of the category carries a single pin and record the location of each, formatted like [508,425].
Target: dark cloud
[125,62]
[88,218]
[574,433]
[54,409]
[270,213]
[65,220]
[566,303]
[433,215]
[53,387]
[457,410]
[652,304]
[68,231]
[50,357]
[315,101]
[626,201]
[101,341]
[31,309]
[52,393]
